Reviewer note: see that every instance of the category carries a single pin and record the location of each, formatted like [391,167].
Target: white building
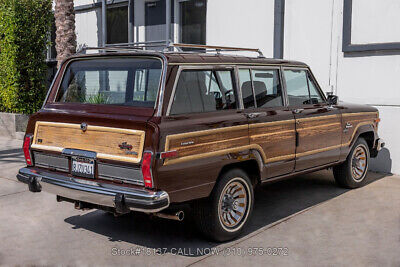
[352,46]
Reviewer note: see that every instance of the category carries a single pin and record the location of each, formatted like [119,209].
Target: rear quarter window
[203,91]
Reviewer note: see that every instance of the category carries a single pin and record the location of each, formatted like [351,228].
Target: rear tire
[352,172]
[224,214]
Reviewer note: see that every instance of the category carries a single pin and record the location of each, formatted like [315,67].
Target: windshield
[114,81]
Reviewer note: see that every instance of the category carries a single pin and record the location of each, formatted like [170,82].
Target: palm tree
[65,29]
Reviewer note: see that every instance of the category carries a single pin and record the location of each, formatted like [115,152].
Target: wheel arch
[254,167]
[365,131]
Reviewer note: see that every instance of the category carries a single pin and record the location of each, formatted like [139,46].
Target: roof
[177,58]
[204,58]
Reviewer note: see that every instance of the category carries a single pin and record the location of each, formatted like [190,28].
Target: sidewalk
[11,157]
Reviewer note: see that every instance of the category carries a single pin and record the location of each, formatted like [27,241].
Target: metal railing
[140,46]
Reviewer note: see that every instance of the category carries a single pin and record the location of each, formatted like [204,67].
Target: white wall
[241,23]
[307,37]
[87,28]
[87,25]
[313,34]
[375,21]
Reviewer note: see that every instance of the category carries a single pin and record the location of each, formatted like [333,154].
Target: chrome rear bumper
[119,197]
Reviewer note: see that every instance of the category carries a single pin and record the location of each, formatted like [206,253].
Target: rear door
[271,122]
[203,124]
[318,125]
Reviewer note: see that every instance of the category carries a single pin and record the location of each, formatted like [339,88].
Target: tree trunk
[64,14]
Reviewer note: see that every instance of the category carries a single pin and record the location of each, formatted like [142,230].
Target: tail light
[27,149]
[146,169]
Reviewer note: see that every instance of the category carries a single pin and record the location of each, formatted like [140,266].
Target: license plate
[83,167]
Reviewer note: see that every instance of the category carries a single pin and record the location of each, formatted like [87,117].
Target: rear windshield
[112,81]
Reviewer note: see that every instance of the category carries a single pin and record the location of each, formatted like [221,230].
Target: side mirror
[332,99]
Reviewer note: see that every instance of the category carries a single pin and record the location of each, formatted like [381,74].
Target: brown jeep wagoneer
[125,129]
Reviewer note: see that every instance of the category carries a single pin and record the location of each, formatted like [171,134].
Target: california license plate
[83,167]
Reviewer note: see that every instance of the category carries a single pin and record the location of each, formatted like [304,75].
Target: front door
[271,122]
[318,125]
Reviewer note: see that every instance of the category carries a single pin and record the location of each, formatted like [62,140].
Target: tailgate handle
[79,153]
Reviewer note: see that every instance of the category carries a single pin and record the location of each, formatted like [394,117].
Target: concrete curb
[13,126]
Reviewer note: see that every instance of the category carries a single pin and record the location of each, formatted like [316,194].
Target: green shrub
[24,26]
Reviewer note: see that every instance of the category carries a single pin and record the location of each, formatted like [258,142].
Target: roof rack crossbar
[218,49]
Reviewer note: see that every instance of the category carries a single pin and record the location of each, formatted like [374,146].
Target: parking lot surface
[302,221]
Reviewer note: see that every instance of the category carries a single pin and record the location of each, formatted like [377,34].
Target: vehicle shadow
[12,155]
[273,202]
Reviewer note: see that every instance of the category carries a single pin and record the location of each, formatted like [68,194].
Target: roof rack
[125,46]
[217,49]
[140,46]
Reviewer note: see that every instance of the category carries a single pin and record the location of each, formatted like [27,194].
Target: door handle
[253,115]
[298,110]
[329,108]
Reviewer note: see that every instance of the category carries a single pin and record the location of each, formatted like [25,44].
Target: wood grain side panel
[276,139]
[357,120]
[103,140]
[272,139]
[199,144]
[218,138]
[318,134]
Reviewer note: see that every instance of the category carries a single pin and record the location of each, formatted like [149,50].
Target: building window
[117,24]
[193,21]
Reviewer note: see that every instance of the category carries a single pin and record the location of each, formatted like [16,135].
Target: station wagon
[126,129]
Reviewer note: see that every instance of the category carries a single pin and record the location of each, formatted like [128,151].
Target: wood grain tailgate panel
[103,140]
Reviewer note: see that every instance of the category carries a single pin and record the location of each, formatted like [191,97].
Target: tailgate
[109,143]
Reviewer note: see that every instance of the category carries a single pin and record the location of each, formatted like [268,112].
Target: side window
[267,88]
[246,87]
[314,93]
[300,88]
[203,91]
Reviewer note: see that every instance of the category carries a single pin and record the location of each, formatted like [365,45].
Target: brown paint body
[208,142]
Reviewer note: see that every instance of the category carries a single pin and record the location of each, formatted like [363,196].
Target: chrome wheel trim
[359,163]
[233,205]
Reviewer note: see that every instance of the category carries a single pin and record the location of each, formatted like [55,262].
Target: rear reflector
[169,154]
[146,169]
[27,149]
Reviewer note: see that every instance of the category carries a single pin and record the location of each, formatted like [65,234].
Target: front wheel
[352,172]
[224,214]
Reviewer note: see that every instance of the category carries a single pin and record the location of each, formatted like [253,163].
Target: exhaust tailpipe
[178,216]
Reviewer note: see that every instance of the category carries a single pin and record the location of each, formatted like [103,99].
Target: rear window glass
[113,81]
[203,91]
